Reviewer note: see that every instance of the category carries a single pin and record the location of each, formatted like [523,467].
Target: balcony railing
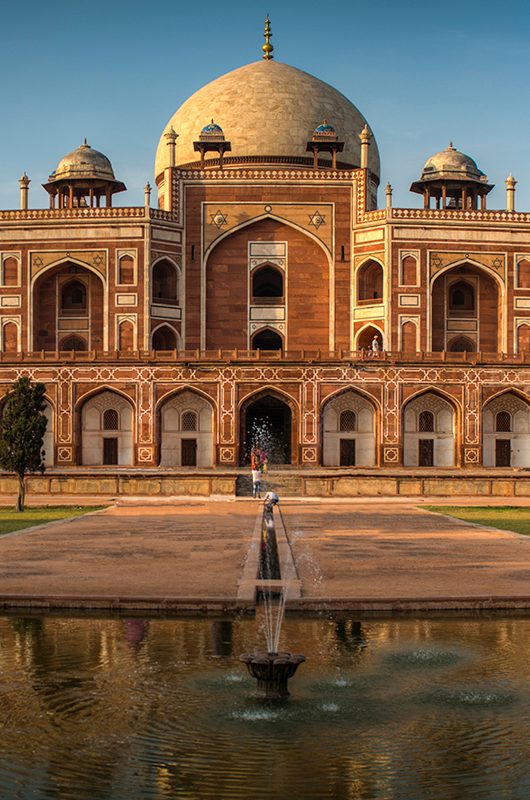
[363,357]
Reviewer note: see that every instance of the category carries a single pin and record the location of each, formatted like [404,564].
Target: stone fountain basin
[272,671]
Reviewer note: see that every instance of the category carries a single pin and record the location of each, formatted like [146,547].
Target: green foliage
[22,432]
[11,520]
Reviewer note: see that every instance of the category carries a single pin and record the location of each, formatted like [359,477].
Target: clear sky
[421,72]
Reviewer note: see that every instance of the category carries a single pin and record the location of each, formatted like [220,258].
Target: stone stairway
[283,482]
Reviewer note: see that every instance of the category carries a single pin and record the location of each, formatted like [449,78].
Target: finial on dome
[267,47]
[450,146]
[85,143]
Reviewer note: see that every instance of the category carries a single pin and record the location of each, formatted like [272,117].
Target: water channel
[126,708]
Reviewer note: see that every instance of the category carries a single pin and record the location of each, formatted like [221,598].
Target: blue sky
[421,73]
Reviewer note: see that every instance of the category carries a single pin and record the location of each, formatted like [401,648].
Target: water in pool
[402,709]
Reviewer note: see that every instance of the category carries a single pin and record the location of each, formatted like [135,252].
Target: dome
[267,109]
[84,163]
[212,128]
[451,164]
[325,128]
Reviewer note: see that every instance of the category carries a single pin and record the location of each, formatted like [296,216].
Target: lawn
[509,518]
[11,520]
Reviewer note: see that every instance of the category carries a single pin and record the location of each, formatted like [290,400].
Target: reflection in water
[401,709]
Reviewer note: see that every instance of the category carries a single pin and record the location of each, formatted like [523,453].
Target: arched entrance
[506,432]
[267,421]
[429,438]
[107,430]
[186,431]
[348,423]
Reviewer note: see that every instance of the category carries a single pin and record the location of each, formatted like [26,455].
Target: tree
[23,426]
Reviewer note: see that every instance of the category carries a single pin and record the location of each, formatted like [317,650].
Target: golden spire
[267,47]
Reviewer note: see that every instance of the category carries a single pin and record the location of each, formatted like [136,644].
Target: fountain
[272,669]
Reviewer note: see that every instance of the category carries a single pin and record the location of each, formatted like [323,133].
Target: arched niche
[10,337]
[68,297]
[165,280]
[409,337]
[370,282]
[428,432]
[164,338]
[409,271]
[461,344]
[48,444]
[268,420]
[523,338]
[267,339]
[126,270]
[366,336]
[267,282]
[186,431]
[506,432]
[73,342]
[465,303]
[348,431]
[126,336]
[100,445]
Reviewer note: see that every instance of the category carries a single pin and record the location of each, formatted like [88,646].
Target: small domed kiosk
[82,178]
[453,180]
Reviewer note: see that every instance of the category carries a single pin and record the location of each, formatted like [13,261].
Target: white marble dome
[266,109]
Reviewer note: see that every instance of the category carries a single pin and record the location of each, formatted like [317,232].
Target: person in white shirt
[256,483]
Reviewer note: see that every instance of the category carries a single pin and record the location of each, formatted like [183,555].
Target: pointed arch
[101,446]
[365,335]
[269,417]
[165,281]
[369,281]
[267,338]
[357,446]
[422,446]
[506,430]
[180,443]
[165,337]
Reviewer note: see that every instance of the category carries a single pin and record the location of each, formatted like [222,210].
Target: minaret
[388,192]
[147,195]
[365,136]
[24,191]
[510,192]
[267,47]
[171,139]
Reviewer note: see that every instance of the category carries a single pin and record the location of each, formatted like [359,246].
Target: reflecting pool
[400,709]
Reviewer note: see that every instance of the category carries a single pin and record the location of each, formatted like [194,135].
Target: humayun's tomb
[267,290]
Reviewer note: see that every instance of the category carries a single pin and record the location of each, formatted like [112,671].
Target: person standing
[256,482]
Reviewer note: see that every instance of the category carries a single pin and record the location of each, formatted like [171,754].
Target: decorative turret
[82,178]
[510,183]
[325,140]
[212,139]
[453,180]
[24,183]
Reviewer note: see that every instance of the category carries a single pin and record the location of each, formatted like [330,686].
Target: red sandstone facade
[255,295]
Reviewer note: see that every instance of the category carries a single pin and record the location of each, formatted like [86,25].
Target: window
[370,282]
[189,421]
[426,422]
[461,297]
[111,420]
[347,421]
[165,283]
[267,340]
[73,297]
[267,282]
[503,422]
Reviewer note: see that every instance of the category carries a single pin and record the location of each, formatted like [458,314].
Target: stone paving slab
[191,549]
[391,550]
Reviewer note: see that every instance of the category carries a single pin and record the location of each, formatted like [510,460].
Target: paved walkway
[350,551]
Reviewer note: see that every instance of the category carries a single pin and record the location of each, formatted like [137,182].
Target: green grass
[508,518]
[11,520]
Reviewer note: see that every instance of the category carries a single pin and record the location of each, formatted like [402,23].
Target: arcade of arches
[349,433]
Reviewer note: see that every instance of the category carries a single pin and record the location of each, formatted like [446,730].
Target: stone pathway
[356,552]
